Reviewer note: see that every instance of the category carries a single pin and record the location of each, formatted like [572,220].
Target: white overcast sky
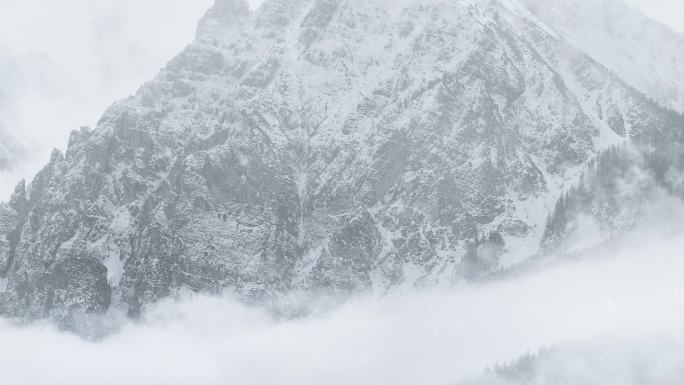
[77,56]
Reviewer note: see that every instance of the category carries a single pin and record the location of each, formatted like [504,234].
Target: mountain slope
[646,54]
[319,146]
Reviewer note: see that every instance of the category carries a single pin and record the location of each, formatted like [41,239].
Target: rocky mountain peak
[19,200]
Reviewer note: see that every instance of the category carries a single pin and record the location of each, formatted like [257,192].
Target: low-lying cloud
[429,337]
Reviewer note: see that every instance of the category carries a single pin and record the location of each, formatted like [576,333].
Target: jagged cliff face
[319,145]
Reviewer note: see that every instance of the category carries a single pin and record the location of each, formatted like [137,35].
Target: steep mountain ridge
[645,53]
[319,146]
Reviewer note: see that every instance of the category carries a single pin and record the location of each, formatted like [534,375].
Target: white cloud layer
[434,337]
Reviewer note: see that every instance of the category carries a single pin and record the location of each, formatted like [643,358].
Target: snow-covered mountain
[322,146]
[646,54]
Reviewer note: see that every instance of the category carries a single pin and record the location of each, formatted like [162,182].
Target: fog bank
[430,337]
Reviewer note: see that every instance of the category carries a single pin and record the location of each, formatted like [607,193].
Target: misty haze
[394,192]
